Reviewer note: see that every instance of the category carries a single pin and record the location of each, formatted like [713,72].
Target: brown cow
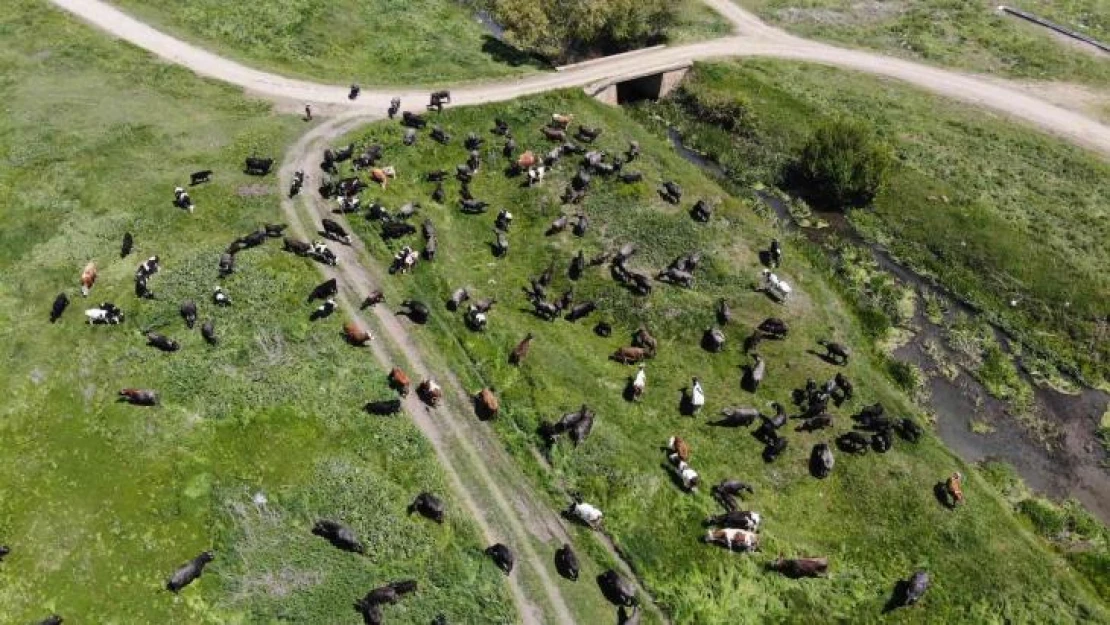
[629,355]
[801,567]
[954,487]
[399,381]
[356,335]
[429,392]
[486,404]
[520,352]
[139,397]
[559,120]
[88,278]
[643,338]
[526,160]
[678,450]
[382,175]
[554,134]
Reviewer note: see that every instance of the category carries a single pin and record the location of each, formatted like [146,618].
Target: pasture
[996,212]
[375,42]
[875,517]
[967,34]
[254,439]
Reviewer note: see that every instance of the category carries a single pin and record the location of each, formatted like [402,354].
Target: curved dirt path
[753,38]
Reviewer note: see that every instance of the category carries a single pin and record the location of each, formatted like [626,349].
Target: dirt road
[752,38]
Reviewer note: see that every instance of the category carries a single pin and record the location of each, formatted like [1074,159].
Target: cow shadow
[686,403]
[629,392]
[823,356]
[897,597]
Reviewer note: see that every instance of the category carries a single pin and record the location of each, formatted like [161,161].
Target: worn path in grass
[497,495]
[753,38]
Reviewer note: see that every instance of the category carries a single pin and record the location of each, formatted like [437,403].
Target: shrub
[842,166]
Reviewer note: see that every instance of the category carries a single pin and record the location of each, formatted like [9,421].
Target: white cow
[688,475]
[639,383]
[733,539]
[697,396]
[776,286]
[586,513]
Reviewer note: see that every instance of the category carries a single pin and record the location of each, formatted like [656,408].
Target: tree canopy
[843,165]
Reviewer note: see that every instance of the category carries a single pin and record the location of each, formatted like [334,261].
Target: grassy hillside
[995,211]
[875,517]
[375,42]
[969,34]
[101,501]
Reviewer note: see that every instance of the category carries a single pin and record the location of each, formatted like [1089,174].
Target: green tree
[843,165]
[568,29]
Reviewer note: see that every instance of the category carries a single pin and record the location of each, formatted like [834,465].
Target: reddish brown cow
[382,176]
[526,160]
[520,352]
[678,450]
[954,487]
[629,355]
[399,382]
[554,134]
[801,567]
[139,397]
[486,404]
[88,278]
[356,335]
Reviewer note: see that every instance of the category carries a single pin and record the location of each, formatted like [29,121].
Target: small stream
[1068,466]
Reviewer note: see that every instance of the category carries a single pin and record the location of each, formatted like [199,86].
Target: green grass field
[101,501]
[995,211]
[876,517]
[375,42]
[969,34]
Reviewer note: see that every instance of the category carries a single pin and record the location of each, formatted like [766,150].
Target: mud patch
[254,190]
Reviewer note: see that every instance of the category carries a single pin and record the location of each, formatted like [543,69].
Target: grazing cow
[603,329]
[536,175]
[374,298]
[774,448]
[457,298]
[639,384]
[954,487]
[520,352]
[429,506]
[53,619]
[882,440]
[382,175]
[702,211]
[733,539]
[182,200]
[687,475]
[821,461]
[588,134]
[585,513]
[399,381]
[126,245]
[819,422]
[776,287]
[754,374]
[566,563]
[835,352]
[554,134]
[629,355]
[188,312]
[59,307]
[908,429]
[671,192]
[208,331]
[409,137]
[852,443]
[324,310]
[394,106]
[429,392]
[504,220]
[909,592]
[324,290]
[88,278]
[198,177]
[107,314]
[643,338]
[736,417]
[356,335]
[501,556]
[384,407]
[162,342]
[581,225]
[618,590]
[227,264]
[559,120]
[797,568]
[500,245]
[139,397]
[630,177]
[189,572]
[338,534]
[440,136]
[300,248]
[696,398]
[713,340]
[677,450]
[413,120]
[415,310]
[258,166]
[354,91]
[557,226]
[727,490]
[736,519]
[334,231]
[581,311]
[486,404]
[296,184]
[220,298]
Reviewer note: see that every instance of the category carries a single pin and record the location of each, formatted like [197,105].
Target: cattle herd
[735,529]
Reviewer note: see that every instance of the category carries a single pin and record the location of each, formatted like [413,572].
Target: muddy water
[1066,465]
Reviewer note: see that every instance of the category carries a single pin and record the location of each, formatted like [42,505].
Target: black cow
[617,589]
[338,534]
[383,407]
[126,245]
[502,556]
[324,290]
[189,313]
[188,572]
[429,506]
[59,307]
[258,166]
[566,563]
[198,177]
